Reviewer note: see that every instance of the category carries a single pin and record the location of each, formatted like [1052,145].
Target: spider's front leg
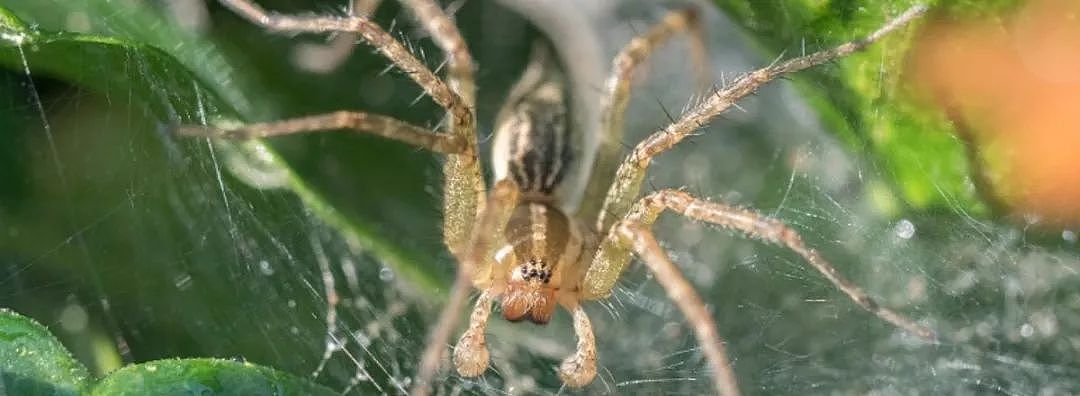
[464,192]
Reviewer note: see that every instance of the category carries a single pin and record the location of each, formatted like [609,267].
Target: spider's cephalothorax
[542,247]
[519,242]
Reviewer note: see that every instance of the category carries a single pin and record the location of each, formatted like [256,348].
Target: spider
[518,244]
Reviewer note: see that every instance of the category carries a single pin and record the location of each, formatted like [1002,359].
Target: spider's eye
[534,271]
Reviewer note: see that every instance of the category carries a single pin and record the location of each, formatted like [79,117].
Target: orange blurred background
[1012,86]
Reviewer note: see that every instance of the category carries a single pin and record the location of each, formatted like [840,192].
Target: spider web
[133,245]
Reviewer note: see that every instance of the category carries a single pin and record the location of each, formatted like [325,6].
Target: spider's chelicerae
[518,244]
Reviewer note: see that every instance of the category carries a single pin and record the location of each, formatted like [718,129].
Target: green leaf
[33,362]
[203,377]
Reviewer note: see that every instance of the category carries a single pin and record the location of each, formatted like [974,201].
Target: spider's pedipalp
[471,356]
[579,369]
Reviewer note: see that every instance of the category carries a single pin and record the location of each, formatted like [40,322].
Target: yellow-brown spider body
[542,246]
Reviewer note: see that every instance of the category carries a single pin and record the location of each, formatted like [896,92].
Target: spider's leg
[603,273]
[579,369]
[470,354]
[374,124]
[640,239]
[633,234]
[324,57]
[631,172]
[460,64]
[374,36]
[464,184]
[463,197]
[617,95]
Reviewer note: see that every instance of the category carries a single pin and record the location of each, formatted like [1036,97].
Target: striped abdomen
[532,141]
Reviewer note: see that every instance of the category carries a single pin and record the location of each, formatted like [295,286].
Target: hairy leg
[322,58]
[631,172]
[374,124]
[464,184]
[633,234]
[605,270]
[464,192]
[446,35]
[641,240]
[617,96]
[371,34]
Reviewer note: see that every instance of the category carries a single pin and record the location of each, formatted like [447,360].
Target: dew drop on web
[386,274]
[265,268]
[905,229]
[1069,236]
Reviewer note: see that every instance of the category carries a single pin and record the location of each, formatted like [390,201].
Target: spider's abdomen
[533,145]
[539,152]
